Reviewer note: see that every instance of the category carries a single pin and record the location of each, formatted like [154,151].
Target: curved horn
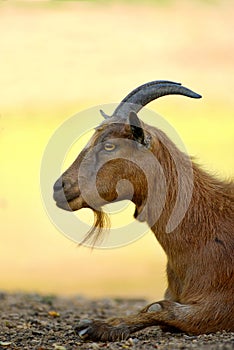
[148,92]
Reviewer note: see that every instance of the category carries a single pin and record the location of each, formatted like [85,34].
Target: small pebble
[58,347]
[130,342]
[5,343]
[95,346]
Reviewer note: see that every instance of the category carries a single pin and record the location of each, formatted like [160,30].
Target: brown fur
[200,268]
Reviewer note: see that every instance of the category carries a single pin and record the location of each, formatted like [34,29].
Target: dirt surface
[32,321]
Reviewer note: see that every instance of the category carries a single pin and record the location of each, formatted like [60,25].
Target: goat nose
[58,185]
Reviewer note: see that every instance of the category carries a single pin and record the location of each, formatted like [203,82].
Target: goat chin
[72,205]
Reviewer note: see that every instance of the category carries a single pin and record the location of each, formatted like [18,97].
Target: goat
[199,248]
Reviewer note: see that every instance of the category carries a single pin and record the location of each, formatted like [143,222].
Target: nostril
[58,185]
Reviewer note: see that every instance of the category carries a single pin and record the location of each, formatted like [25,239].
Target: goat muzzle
[67,195]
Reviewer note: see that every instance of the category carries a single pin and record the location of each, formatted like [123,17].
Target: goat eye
[109,147]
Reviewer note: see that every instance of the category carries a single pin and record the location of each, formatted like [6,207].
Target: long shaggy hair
[95,235]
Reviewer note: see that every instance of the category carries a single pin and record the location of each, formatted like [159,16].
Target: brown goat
[199,244]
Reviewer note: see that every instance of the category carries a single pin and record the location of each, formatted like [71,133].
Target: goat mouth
[68,203]
[63,205]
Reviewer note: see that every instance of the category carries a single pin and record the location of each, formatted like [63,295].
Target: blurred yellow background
[58,58]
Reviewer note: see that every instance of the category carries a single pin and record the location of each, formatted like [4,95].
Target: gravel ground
[32,321]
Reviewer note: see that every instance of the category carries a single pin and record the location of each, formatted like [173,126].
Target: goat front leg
[163,313]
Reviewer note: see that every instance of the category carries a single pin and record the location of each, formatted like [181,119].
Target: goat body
[199,248]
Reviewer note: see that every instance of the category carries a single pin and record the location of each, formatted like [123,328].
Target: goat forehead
[111,124]
[111,130]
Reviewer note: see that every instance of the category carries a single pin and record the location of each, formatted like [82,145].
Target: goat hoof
[83,334]
[83,328]
[101,331]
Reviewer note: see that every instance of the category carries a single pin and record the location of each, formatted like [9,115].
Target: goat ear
[136,128]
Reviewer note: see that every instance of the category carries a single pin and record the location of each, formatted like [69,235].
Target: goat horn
[148,92]
[106,116]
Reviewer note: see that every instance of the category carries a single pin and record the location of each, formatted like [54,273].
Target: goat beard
[101,223]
